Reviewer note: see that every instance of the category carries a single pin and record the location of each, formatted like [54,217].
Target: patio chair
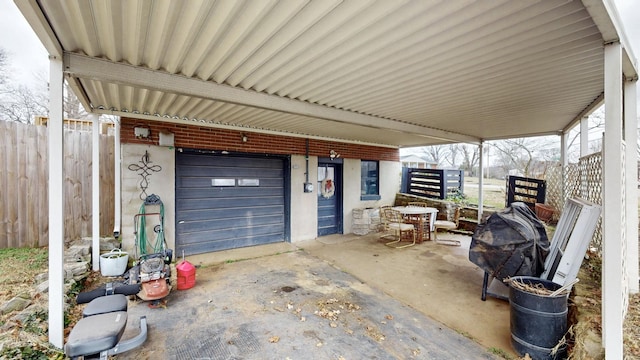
[426,221]
[401,230]
[384,222]
[447,225]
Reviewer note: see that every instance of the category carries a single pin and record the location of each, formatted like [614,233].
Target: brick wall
[199,137]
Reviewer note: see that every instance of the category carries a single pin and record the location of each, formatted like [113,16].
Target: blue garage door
[226,202]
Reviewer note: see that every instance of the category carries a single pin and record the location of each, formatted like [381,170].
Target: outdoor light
[244,138]
[333,154]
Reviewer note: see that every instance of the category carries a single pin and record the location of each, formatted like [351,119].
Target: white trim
[480,181]
[56,203]
[584,136]
[95,192]
[631,158]
[564,151]
[117,157]
[612,269]
[564,160]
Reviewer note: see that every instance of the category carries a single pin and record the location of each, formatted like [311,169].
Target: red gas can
[186,275]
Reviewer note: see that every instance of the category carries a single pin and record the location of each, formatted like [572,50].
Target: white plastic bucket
[114,263]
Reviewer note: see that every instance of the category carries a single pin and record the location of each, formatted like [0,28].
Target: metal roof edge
[32,12]
[606,17]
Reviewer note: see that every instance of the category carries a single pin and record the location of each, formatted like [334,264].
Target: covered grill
[510,243]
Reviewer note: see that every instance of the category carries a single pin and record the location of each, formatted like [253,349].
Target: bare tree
[452,158]
[73,109]
[23,104]
[436,153]
[470,158]
[596,121]
[528,155]
[3,67]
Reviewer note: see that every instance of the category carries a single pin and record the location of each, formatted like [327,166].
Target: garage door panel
[205,182]
[200,248]
[212,214]
[211,218]
[231,172]
[194,225]
[206,160]
[231,233]
[213,203]
[230,192]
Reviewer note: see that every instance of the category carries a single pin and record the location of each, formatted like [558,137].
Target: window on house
[369,180]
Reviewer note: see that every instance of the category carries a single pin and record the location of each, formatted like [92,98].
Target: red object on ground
[186,275]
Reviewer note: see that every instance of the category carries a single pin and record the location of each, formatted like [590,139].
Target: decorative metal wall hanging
[144,170]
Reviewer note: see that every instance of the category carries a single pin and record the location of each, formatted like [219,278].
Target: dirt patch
[586,316]
[26,336]
[18,268]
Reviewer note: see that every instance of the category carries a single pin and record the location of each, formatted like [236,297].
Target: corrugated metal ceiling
[433,71]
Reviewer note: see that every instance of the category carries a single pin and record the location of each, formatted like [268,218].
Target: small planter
[544,212]
[114,263]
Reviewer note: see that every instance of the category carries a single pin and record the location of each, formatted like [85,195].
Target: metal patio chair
[401,230]
[447,225]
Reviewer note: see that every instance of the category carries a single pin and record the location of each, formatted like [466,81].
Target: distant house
[417,162]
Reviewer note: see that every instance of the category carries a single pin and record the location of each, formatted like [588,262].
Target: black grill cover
[510,243]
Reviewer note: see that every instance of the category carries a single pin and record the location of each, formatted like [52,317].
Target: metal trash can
[538,322]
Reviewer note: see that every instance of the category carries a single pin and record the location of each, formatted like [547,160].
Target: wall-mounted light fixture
[333,154]
[244,138]
[141,132]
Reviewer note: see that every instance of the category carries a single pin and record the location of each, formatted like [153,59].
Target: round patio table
[423,212]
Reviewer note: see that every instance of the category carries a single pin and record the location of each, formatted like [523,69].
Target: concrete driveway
[288,302]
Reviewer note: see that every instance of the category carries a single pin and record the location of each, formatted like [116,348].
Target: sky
[28,58]
[29,61]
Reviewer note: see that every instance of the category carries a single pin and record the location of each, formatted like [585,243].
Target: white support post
[564,149]
[118,181]
[612,268]
[584,136]
[56,203]
[480,181]
[564,161]
[95,192]
[631,158]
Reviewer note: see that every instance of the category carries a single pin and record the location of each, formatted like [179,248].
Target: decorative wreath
[327,188]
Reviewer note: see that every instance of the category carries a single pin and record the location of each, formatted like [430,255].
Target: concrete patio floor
[336,297]
[435,279]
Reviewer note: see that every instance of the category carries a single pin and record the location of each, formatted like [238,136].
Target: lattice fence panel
[554,180]
[583,180]
[591,180]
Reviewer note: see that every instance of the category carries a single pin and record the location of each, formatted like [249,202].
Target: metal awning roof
[393,73]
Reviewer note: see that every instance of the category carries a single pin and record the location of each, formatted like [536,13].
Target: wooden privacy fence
[432,183]
[24,205]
